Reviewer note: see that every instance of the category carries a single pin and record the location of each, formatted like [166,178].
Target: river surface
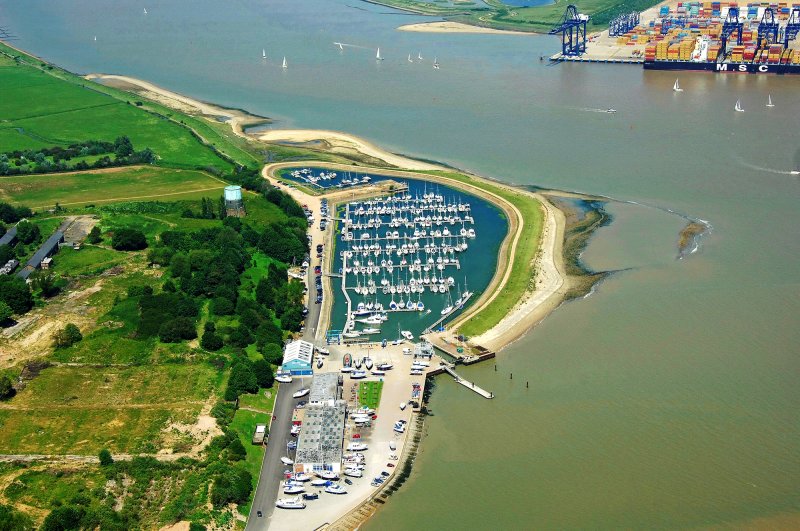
[669,397]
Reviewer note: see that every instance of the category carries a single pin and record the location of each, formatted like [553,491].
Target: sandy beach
[455,27]
[237,119]
[344,143]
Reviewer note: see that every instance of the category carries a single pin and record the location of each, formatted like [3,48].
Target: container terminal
[722,37]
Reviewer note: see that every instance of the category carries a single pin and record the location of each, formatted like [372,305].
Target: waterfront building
[297,357]
[320,445]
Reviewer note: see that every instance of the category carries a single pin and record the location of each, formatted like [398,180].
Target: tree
[45,283]
[67,337]
[10,518]
[273,353]
[105,457]
[232,485]
[211,341]
[236,451]
[127,239]
[15,292]
[177,330]
[5,312]
[241,380]
[6,390]
[264,375]
[28,232]
[222,306]
[123,147]
[95,236]
[195,526]
[63,519]
[6,254]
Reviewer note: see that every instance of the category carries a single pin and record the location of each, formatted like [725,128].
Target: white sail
[436,63]
[409,59]
[769,101]
[378,55]
[419,56]
[145,10]
[264,53]
[738,107]
[676,87]
[95,37]
[284,62]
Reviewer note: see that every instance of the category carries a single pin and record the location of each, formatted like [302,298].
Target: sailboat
[145,10]
[435,63]
[284,62]
[409,59]
[95,37]
[769,101]
[378,55]
[738,107]
[676,87]
[419,56]
[263,53]
[339,44]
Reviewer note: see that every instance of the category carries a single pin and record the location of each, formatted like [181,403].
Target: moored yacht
[290,503]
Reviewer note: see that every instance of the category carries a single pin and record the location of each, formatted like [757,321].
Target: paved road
[272,469]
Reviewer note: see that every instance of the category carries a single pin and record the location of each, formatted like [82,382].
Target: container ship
[757,38]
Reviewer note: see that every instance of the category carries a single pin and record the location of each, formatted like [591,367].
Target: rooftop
[321,437]
[324,388]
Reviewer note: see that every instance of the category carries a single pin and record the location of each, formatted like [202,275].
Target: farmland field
[104,186]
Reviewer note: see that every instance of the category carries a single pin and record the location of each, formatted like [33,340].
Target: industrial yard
[713,36]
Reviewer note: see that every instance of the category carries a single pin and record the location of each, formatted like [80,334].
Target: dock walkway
[466,383]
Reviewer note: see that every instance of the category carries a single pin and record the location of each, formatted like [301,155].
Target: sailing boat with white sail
[677,87]
[378,55]
[284,65]
[769,101]
[738,107]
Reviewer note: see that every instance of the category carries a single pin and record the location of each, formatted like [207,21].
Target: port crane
[730,25]
[792,27]
[573,32]
[623,24]
[768,28]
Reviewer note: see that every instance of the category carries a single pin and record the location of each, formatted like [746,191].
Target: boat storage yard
[725,37]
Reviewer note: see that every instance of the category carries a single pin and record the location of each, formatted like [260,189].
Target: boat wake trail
[588,109]
[341,45]
[767,170]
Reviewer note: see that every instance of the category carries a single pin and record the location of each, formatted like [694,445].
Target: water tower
[234,205]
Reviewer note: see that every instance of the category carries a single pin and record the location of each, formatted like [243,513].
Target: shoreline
[447,26]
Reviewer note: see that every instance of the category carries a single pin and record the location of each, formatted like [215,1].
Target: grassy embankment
[122,392]
[539,19]
[522,273]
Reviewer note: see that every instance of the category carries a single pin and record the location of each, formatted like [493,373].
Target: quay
[467,384]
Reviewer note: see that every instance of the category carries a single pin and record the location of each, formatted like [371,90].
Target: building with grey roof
[324,389]
[9,237]
[321,439]
[49,247]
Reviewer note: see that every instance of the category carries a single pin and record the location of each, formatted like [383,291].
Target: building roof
[44,251]
[298,351]
[322,434]
[9,237]
[324,388]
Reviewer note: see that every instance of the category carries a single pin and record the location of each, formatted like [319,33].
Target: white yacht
[329,475]
[407,335]
[335,489]
[290,503]
[286,461]
[301,393]
[293,488]
[356,447]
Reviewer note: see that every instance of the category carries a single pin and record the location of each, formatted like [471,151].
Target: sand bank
[237,119]
[455,27]
[344,143]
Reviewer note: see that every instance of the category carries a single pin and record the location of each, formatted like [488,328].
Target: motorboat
[319,482]
[293,488]
[301,477]
[399,427]
[323,350]
[403,406]
[347,369]
[335,489]
[358,375]
[301,393]
[368,363]
[377,372]
[329,475]
[319,363]
[356,447]
[407,335]
[290,503]
[283,378]
[353,472]
[370,331]
[286,461]
[295,431]
[310,496]
[611,111]
[385,366]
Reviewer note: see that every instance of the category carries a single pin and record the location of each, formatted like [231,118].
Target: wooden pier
[469,385]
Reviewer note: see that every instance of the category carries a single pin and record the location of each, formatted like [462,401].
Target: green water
[666,399]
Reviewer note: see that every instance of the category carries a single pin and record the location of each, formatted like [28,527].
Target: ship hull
[724,68]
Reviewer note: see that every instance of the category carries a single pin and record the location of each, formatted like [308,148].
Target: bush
[10,518]
[139,291]
[242,380]
[16,293]
[67,337]
[6,391]
[236,451]
[105,457]
[232,485]
[5,312]
[177,330]
[264,375]
[211,341]
[94,235]
[127,239]
[222,306]
[28,232]
[63,519]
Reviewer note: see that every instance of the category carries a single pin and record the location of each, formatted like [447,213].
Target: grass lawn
[369,394]
[259,401]
[526,249]
[90,260]
[244,424]
[80,410]
[106,186]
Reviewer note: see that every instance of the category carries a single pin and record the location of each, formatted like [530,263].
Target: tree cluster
[208,210]
[128,239]
[55,159]
[15,293]
[67,336]
[12,214]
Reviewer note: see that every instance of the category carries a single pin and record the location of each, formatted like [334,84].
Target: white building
[320,445]
[324,389]
[297,357]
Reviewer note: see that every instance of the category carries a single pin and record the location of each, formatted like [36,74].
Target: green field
[89,260]
[84,409]
[369,394]
[39,109]
[521,274]
[105,186]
